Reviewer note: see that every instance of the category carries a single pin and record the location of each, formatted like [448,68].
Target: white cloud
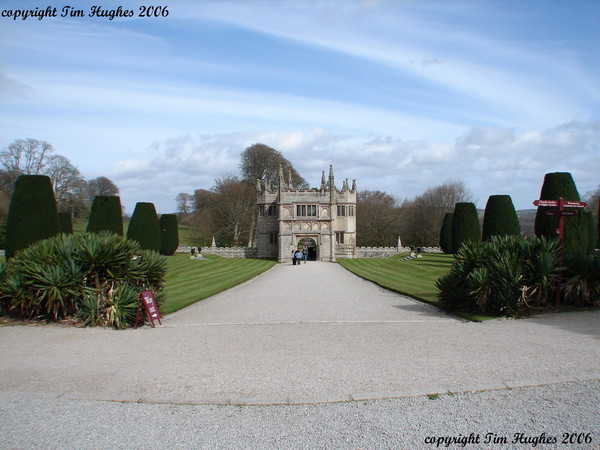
[490,161]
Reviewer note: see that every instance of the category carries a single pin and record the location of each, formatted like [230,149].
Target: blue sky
[401,95]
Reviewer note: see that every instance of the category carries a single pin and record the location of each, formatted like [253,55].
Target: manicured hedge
[65,224]
[446,234]
[556,185]
[169,234]
[465,225]
[144,226]
[500,218]
[32,214]
[106,215]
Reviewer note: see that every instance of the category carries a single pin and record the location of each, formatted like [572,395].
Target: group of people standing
[298,256]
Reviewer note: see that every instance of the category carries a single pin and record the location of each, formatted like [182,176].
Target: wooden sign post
[150,308]
[560,213]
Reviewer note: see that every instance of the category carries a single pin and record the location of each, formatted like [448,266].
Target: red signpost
[150,308]
[561,204]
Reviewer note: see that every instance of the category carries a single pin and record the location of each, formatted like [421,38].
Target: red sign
[560,213]
[568,204]
[150,306]
[545,202]
[565,203]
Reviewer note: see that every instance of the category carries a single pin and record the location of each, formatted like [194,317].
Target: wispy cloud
[400,95]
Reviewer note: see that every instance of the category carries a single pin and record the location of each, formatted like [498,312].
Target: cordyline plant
[505,275]
[92,278]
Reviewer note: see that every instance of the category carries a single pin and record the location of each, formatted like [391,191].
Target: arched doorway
[311,245]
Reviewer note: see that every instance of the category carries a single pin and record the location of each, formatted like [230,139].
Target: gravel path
[341,362]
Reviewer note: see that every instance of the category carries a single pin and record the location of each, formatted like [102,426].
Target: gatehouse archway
[310,244]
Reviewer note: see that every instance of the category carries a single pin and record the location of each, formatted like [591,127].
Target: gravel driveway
[308,340]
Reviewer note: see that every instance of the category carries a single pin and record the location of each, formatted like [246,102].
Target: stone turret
[280,178]
[331,184]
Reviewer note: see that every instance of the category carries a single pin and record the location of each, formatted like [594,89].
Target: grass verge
[190,280]
[415,278]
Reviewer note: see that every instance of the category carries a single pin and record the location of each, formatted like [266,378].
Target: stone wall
[360,252]
[386,252]
[225,252]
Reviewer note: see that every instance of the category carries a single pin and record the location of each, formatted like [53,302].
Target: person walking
[298,257]
[293,257]
[305,254]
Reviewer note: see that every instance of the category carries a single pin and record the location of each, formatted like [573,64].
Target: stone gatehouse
[322,220]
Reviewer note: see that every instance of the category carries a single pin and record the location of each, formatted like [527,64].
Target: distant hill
[526,219]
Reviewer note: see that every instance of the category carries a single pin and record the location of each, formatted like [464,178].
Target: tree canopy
[261,162]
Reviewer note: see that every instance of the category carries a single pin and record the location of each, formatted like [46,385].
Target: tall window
[306,210]
[345,210]
[267,210]
[339,237]
[272,238]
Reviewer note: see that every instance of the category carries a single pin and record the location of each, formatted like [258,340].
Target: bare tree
[201,216]
[185,206]
[592,198]
[423,216]
[377,219]
[66,181]
[26,156]
[234,207]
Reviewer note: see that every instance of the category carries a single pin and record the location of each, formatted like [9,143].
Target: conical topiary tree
[465,225]
[590,223]
[65,224]
[446,233]
[169,234]
[500,218]
[598,224]
[106,215]
[144,227]
[556,185]
[32,214]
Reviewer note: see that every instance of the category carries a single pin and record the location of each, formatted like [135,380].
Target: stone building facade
[322,220]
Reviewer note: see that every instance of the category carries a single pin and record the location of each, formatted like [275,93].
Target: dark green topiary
[590,224]
[169,234]
[465,225]
[500,218]
[446,234]
[556,185]
[32,214]
[144,227]
[106,215]
[65,224]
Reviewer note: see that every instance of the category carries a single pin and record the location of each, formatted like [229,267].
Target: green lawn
[415,278]
[190,280]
